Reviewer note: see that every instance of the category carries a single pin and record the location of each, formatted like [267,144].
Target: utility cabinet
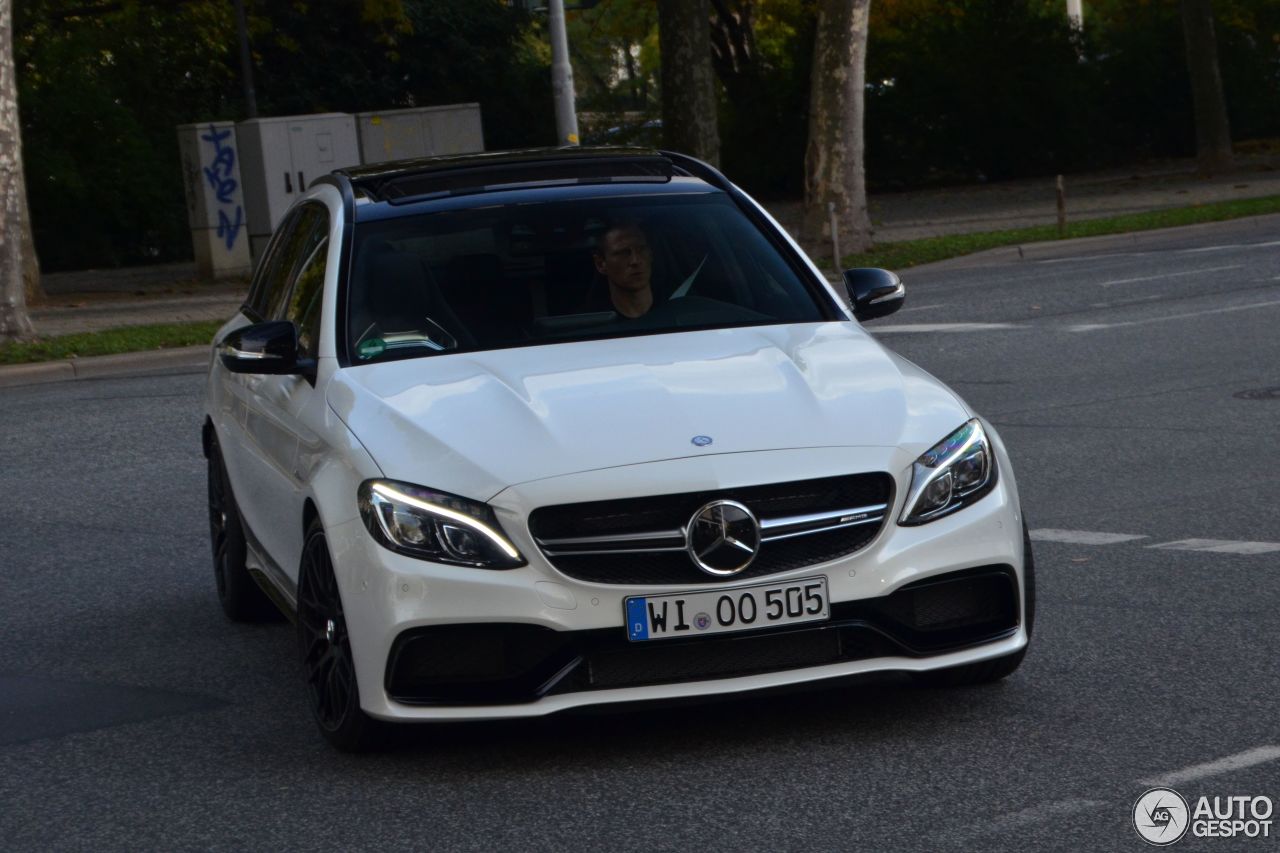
[420,132]
[280,157]
[215,199]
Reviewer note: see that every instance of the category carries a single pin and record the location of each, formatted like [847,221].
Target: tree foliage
[764,60]
[104,84]
[101,92]
[956,89]
[1004,88]
[614,50]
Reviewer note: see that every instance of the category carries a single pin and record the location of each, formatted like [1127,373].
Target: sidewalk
[93,300]
[915,214]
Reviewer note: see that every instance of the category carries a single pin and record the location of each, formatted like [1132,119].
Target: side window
[311,226]
[308,288]
[267,276]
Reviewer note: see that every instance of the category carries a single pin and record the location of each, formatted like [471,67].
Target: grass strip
[910,253]
[110,342]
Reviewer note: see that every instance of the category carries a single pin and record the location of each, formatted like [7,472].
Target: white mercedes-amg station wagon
[515,433]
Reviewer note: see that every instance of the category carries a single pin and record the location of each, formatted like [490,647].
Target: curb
[100,366]
[1265,225]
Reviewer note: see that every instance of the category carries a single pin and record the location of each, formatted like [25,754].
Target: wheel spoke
[342,671]
[324,645]
[336,705]
[314,655]
[323,669]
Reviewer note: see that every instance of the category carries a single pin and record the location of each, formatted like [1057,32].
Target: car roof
[408,181]
[524,196]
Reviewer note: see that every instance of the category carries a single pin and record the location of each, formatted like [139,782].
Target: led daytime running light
[395,495]
[954,446]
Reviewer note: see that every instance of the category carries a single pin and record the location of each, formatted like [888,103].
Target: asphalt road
[1139,392]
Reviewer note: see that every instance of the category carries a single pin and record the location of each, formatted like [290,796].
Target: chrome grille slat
[768,524]
[633,543]
[604,540]
[601,551]
[642,540]
[827,529]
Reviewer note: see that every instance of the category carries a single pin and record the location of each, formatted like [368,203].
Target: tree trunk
[733,48]
[833,168]
[14,322]
[631,76]
[1213,134]
[688,82]
[30,260]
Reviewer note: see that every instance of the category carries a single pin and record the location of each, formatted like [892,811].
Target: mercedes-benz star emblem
[723,538]
[701,440]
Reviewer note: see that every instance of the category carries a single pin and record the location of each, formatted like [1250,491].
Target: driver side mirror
[266,349]
[874,292]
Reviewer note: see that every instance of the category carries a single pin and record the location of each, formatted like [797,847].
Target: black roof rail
[698,169]
[433,177]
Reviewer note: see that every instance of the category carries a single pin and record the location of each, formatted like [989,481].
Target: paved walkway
[914,214]
[92,300]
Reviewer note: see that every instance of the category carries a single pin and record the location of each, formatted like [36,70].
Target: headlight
[952,474]
[435,526]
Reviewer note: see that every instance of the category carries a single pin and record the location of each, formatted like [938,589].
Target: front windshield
[532,274]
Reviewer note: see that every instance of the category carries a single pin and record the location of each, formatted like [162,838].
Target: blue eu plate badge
[637,619]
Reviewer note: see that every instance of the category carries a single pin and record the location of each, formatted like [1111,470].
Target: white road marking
[1061,808]
[1229,246]
[1248,758]
[1219,546]
[1108,255]
[1130,301]
[907,328]
[1091,327]
[1168,275]
[921,308]
[1082,537]
[1079,258]
[1096,537]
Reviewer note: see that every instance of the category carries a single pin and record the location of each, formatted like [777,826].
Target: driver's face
[624,258]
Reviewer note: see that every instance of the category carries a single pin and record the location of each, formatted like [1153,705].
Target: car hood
[476,423]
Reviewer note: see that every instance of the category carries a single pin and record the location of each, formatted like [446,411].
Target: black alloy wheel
[325,650]
[240,596]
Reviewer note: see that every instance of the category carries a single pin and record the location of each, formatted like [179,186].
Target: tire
[990,671]
[241,598]
[324,650]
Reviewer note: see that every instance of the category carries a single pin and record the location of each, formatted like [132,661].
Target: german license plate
[694,614]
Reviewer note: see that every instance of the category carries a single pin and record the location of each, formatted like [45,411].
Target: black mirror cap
[874,292]
[269,349]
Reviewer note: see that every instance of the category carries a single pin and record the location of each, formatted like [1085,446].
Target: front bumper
[435,642]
